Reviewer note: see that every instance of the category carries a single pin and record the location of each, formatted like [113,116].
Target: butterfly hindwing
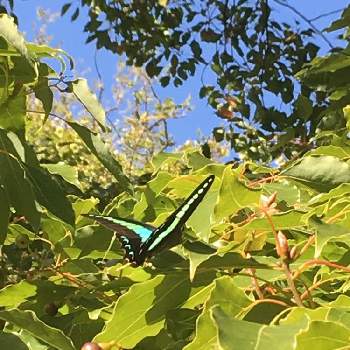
[173,225]
[130,233]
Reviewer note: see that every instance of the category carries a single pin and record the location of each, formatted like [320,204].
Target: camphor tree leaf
[11,341]
[238,334]
[324,335]
[13,112]
[50,195]
[15,294]
[100,150]
[228,296]
[322,173]
[4,214]
[141,311]
[89,100]
[68,172]
[28,321]
[326,232]
[233,194]
[18,189]
[9,31]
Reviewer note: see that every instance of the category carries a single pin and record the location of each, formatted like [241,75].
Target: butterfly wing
[168,233]
[130,233]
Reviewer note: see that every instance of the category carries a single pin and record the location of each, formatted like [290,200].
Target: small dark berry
[51,309]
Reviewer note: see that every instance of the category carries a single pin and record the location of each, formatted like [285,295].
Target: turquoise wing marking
[128,228]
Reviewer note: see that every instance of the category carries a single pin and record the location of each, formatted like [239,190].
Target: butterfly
[142,241]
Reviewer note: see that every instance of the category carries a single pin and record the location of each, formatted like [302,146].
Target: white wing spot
[206,185]
[201,190]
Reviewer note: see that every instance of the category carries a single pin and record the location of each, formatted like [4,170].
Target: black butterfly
[141,241]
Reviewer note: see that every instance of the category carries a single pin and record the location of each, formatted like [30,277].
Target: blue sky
[70,37]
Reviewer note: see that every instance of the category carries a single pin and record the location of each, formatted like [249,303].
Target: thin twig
[326,15]
[306,20]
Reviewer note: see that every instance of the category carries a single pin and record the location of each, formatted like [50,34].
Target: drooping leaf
[68,172]
[18,189]
[100,150]
[89,100]
[9,31]
[50,195]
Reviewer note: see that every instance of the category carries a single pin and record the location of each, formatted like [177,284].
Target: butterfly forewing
[174,223]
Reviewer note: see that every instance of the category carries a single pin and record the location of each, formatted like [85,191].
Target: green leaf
[322,173]
[89,100]
[83,206]
[303,107]
[4,215]
[141,311]
[11,341]
[286,191]
[28,321]
[229,260]
[13,112]
[44,94]
[9,31]
[237,334]
[234,192]
[65,8]
[325,233]
[206,333]
[323,335]
[197,253]
[50,195]
[15,294]
[228,296]
[209,36]
[68,172]
[18,189]
[100,150]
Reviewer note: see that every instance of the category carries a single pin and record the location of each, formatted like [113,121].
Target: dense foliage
[264,261]
[242,52]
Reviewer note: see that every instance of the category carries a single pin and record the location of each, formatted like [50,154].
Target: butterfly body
[141,241]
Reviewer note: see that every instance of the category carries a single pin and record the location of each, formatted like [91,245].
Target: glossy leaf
[141,311]
[28,321]
[324,172]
